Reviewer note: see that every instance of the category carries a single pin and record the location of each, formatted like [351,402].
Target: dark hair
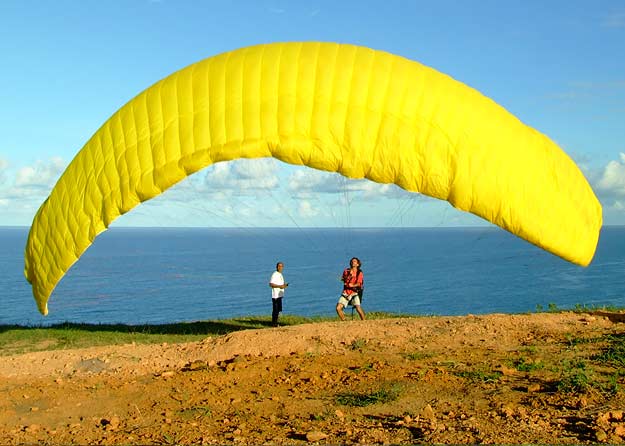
[280,263]
[359,263]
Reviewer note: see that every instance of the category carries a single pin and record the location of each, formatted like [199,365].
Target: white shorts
[353,300]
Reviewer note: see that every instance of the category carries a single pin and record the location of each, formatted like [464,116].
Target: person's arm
[347,277]
[273,285]
[356,283]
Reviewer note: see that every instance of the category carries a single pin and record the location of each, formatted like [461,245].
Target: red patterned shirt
[351,285]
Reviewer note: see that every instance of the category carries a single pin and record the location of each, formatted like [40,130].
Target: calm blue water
[139,275]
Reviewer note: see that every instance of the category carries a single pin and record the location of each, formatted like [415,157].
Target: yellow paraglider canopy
[340,108]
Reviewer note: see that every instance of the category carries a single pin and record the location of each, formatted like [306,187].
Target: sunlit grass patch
[358,344]
[385,394]
[418,356]
[614,353]
[576,377]
[526,365]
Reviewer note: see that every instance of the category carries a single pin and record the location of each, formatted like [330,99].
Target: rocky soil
[537,378]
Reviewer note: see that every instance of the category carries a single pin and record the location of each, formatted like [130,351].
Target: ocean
[166,275]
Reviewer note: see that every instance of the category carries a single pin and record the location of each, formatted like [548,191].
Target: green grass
[602,371]
[614,353]
[578,308]
[584,308]
[365,368]
[358,344]
[16,339]
[385,394]
[576,377]
[525,365]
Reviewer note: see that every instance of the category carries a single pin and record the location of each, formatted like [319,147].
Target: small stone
[315,436]
[603,419]
[601,435]
[339,414]
[113,423]
[428,413]
[506,371]
[507,411]
[620,430]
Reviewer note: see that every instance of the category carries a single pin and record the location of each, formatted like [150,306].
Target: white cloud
[242,177]
[4,164]
[22,191]
[373,191]
[612,180]
[42,175]
[307,182]
[306,210]
[304,182]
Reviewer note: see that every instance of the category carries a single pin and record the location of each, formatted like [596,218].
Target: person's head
[355,262]
[279,266]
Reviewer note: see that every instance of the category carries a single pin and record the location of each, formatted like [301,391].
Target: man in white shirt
[278,286]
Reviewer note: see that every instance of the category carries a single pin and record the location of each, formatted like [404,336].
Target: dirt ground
[536,378]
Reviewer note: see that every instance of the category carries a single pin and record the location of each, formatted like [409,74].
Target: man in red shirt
[353,279]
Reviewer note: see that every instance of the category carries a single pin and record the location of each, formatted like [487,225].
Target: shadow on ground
[183,328]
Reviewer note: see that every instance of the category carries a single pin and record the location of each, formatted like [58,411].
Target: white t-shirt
[277,279]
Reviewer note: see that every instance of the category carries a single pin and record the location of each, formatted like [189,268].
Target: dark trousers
[277,308]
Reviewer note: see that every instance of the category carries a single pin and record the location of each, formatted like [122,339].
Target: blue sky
[68,65]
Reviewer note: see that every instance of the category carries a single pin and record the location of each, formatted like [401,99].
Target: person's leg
[276,309]
[339,311]
[360,311]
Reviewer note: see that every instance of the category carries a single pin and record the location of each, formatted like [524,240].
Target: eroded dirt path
[470,379]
